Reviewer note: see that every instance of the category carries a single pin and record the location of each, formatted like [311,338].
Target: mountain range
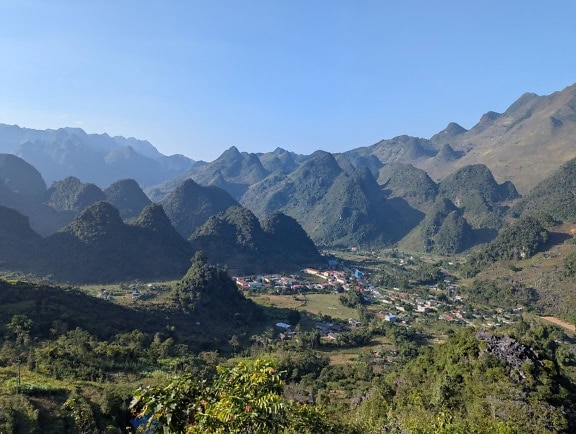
[443,194]
[95,158]
[118,234]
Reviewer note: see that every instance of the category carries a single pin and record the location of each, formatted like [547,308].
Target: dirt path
[554,320]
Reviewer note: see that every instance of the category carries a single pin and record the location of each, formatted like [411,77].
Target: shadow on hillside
[484,235]
[555,238]
[411,217]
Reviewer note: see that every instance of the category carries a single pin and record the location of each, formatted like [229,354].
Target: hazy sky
[196,77]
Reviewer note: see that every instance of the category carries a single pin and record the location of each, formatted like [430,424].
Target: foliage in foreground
[475,383]
[247,398]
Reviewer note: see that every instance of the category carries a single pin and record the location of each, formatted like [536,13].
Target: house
[255,285]
[242,283]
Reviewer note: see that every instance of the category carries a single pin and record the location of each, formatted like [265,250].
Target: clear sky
[196,77]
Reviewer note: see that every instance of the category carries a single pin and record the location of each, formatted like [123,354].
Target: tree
[247,398]
[20,325]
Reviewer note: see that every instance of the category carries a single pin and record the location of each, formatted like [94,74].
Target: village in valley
[439,305]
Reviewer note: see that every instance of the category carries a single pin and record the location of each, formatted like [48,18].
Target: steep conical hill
[478,178]
[17,239]
[156,226]
[209,293]
[234,171]
[409,183]
[278,160]
[97,221]
[444,230]
[474,189]
[191,204]
[99,247]
[237,239]
[291,243]
[20,177]
[127,196]
[453,236]
[73,195]
[447,154]
[296,193]
[447,134]
[355,210]
[335,207]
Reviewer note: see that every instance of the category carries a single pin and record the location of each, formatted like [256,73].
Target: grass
[543,271]
[342,356]
[121,294]
[314,304]
[329,304]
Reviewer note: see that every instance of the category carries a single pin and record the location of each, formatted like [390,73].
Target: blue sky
[196,77]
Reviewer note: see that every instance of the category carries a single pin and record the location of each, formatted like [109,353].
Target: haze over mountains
[444,194]
[95,158]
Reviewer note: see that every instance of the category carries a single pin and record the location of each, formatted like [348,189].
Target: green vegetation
[237,239]
[99,247]
[18,176]
[501,293]
[521,239]
[409,183]
[334,206]
[190,205]
[474,189]
[127,196]
[553,196]
[73,195]
[479,383]
[245,398]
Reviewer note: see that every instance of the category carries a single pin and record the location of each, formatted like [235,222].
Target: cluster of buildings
[440,302]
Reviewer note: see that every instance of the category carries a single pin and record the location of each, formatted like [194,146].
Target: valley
[333,332]
[415,285]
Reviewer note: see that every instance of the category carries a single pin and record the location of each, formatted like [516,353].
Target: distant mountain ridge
[97,158]
[444,194]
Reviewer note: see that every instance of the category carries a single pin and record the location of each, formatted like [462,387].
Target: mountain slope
[525,144]
[237,239]
[409,183]
[73,195]
[21,177]
[554,196]
[127,196]
[99,247]
[191,204]
[474,189]
[333,206]
[17,239]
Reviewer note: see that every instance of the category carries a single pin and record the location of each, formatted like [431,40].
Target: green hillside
[191,204]
[236,239]
[73,195]
[553,196]
[127,196]
[99,247]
